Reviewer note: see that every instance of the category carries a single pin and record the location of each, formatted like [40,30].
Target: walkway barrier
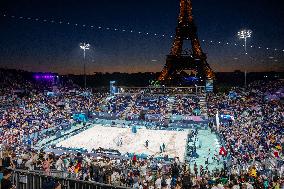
[24,179]
[197,90]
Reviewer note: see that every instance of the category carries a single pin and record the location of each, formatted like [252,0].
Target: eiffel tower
[180,62]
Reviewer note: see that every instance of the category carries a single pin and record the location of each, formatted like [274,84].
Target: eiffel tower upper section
[177,60]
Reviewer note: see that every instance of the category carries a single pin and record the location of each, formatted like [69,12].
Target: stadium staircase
[128,108]
[203,106]
[170,104]
[102,102]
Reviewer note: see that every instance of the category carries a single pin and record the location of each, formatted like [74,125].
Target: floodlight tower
[85,46]
[244,34]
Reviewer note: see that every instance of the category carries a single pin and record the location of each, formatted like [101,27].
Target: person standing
[147,143]
[186,181]
[46,166]
[163,146]
[158,183]
[121,142]
[195,169]
[6,182]
[134,159]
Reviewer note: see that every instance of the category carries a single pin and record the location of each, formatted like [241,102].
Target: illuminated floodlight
[244,34]
[85,46]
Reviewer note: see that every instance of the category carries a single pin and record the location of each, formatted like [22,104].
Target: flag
[276,154]
[217,121]
[253,172]
[77,167]
[278,147]
[222,151]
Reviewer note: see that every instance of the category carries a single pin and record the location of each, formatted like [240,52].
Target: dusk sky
[41,35]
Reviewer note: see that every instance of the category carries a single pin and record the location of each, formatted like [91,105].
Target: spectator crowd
[251,131]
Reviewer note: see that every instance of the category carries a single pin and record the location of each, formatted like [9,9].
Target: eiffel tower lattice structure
[180,63]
